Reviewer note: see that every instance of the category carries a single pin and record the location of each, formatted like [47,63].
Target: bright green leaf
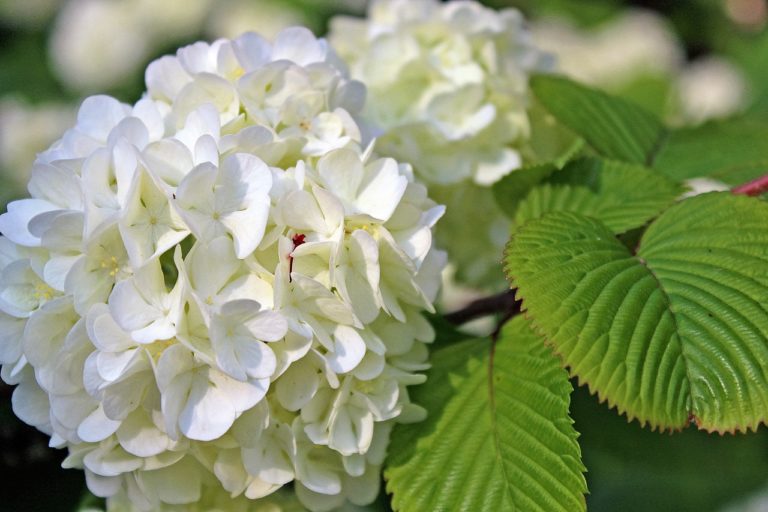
[616,128]
[494,442]
[675,333]
[623,196]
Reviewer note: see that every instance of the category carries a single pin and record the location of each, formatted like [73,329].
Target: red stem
[753,188]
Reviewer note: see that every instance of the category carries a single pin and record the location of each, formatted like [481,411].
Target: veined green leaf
[677,332]
[498,435]
[616,128]
[730,151]
[624,196]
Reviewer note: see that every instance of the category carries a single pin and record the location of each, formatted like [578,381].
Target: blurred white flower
[98,44]
[26,130]
[641,45]
[219,287]
[703,185]
[267,17]
[635,44]
[447,84]
[710,88]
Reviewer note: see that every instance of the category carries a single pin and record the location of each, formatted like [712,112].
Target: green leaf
[494,442]
[550,148]
[623,196]
[733,152]
[616,128]
[512,188]
[549,141]
[674,334]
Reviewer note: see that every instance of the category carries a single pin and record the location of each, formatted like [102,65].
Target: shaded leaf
[732,152]
[632,469]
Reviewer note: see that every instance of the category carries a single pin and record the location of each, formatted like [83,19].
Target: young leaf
[616,128]
[623,196]
[492,441]
[673,334]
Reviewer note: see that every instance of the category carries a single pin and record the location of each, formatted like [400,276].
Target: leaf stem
[503,303]
[753,188]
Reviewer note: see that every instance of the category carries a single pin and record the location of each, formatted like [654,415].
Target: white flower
[96,45]
[199,401]
[447,84]
[238,333]
[710,88]
[232,199]
[198,300]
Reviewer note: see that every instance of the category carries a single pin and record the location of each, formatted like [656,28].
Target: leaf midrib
[677,337]
[494,424]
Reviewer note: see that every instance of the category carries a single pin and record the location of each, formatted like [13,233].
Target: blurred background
[690,61]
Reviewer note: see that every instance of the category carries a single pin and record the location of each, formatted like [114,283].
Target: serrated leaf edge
[602,398]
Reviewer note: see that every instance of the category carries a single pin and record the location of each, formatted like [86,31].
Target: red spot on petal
[297,240]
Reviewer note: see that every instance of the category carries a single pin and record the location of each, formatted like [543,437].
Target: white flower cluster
[219,285]
[447,82]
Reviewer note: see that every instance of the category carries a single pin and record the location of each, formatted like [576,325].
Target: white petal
[14,223]
[298,385]
[97,427]
[299,45]
[342,172]
[348,349]
[351,430]
[11,333]
[30,403]
[111,461]
[165,77]
[139,436]
[267,326]
[98,115]
[208,413]
[178,484]
[382,189]
[169,160]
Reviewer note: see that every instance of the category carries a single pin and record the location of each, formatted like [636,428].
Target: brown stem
[503,303]
[753,188]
